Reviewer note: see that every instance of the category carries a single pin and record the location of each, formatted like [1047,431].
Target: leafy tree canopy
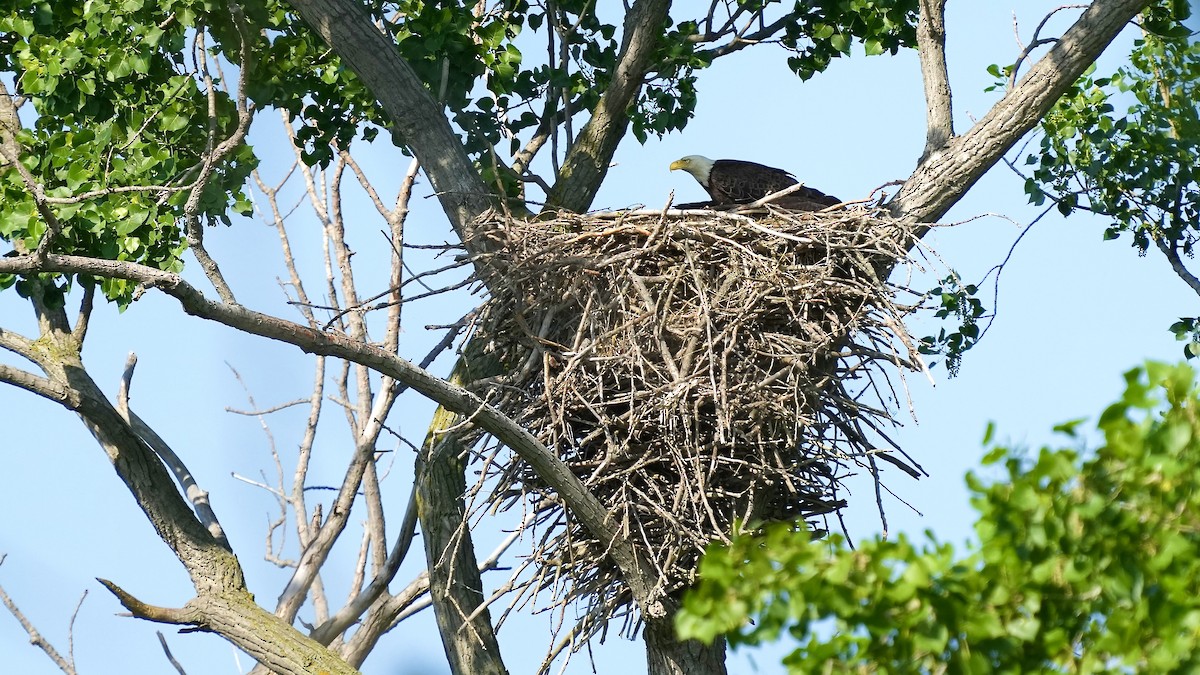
[126,96]
[1086,563]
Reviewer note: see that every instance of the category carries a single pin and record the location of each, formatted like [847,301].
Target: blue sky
[1074,313]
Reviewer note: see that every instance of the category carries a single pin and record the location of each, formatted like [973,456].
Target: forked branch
[942,178]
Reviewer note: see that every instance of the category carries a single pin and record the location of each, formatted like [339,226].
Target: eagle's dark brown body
[733,181]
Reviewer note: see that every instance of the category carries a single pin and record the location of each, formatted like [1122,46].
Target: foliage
[123,115]
[823,31]
[957,300]
[1086,564]
[111,110]
[1187,329]
[1136,168]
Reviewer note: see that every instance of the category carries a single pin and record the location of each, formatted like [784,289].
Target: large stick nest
[695,370]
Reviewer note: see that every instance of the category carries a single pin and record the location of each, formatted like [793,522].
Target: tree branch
[415,115]
[216,154]
[345,617]
[590,512]
[941,179]
[37,385]
[587,161]
[197,496]
[162,641]
[1177,265]
[222,603]
[233,614]
[149,612]
[931,45]
[67,665]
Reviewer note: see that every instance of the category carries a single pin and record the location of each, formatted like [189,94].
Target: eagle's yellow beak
[679,164]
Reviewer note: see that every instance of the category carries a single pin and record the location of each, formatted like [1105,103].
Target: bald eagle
[733,181]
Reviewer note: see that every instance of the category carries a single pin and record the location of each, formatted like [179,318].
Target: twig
[167,651]
[67,665]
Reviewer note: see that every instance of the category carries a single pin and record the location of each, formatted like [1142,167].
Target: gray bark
[455,583]
[931,44]
[665,655]
[943,177]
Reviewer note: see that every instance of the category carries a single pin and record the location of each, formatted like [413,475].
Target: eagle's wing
[738,182]
[806,199]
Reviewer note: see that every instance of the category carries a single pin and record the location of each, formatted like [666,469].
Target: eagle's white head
[697,165]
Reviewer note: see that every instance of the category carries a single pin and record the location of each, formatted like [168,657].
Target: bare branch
[126,384]
[743,38]
[300,475]
[354,609]
[266,411]
[197,496]
[317,550]
[1036,41]
[392,610]
[396,221]
[167,650]
[67,665]
[218,152]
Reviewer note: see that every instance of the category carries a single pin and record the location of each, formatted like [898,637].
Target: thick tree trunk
[666,655]
[455,583]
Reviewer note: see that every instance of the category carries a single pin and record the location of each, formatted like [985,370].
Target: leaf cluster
[957,300]
[114,107]
[292,69]
[822,31]
[1138,168]
[1086,564]
[1187,330]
